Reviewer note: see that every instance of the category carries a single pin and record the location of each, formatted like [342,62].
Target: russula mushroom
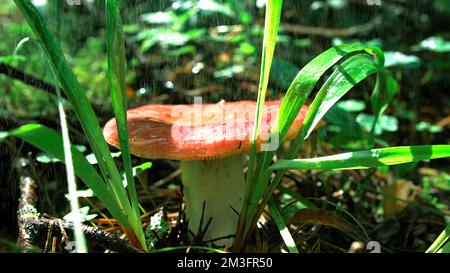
[210,140]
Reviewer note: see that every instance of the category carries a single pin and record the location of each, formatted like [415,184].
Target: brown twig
[33,229]
[40,226]
[332,32]
[27,78]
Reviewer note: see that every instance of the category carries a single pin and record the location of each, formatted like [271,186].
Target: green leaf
[385,89]
[445,248]
[395,58]
[138,170]
[426,126]
[180,51]
[48,158]
[87,118]
[351,105]
[348,74]
[116,73]
[3,136]
[272,22]
[384,123]
[361,65]
[306,80]
[366,159]
[11,59]
[282,228]
[229,71]
[434,44]
[141,168]
[440,241]
[213,6]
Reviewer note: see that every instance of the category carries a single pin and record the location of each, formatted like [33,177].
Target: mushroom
[211,141]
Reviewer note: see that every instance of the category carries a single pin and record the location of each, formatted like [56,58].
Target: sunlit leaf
[384,123]
[351,105]
[115,41]
[425,126]
[395,58]
[159,17]
[282,228]
[366,159]
[434,44]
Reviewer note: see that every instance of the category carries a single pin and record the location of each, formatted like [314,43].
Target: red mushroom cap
[197,131]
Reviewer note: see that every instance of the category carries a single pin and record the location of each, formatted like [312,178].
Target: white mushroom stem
[220,183]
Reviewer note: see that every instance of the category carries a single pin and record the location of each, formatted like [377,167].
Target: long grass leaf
[116,73]
[272,22]
[360,63]
[440,241]
[282,228]
[77,98]
[349,73]
[366,159]
[84,112]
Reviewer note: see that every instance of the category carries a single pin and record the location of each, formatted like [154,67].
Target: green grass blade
[445,248]
[306,80]
[272,22]
[77,98]
[51,142]
[82,108]
[349,73]
[284,231]
[360,63]
[366,159]
[385,89]
[440,241]
[116,73]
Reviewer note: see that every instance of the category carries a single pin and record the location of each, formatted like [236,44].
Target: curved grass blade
[83,110]
[366,159]
[361,62]
[385,89]
[77,98]
[116,73]
[348,74]
[306,80]
[445,248]
[352,71]
[284,231]
[440,241]
[272,22]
